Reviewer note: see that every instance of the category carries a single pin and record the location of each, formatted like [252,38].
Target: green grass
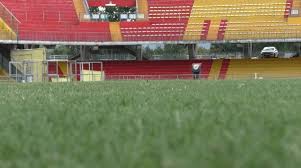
[139,124]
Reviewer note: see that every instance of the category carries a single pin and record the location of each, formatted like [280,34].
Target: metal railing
[138,36]
[86,5]
[102,77]
[58,57]
[254,76]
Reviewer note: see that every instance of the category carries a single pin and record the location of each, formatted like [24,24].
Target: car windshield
[268,49]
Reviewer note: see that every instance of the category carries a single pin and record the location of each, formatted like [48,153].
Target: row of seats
[85,31]
[42,11]
[54,20]
[168,20]
[226,69]
[213,20]
[170,69]
[264,68]
[116,69]
[181,69]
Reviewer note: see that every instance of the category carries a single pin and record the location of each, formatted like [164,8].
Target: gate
[26,71]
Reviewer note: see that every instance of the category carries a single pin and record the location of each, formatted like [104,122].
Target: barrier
[67,71]
[26,71]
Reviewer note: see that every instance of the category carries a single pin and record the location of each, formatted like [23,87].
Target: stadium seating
[180,69]
[165,20]
[85,31]
[215,69]
[54,20]
[264,68]
[37,11]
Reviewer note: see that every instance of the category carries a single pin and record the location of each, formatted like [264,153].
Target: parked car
[268,52]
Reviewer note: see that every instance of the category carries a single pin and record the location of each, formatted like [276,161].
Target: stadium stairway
[4,76]
[219,69]
[213,30]
[57,72]
[63,68]
[80,8]
[143,8]
[115,31]
[224,69]
[215,69]
[3,72]
[6,33]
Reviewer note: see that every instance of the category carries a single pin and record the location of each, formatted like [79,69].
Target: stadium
[150,83]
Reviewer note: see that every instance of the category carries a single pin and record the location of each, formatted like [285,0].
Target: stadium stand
[155,69]
[54,20]
[180,69]
[215,69]
[37,11]
[211,69]
[167,22]
[186,21]
[164,20]
[265,68]
[224,69]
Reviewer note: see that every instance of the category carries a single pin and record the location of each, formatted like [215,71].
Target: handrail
[251,76]
[86,6]
[10,12]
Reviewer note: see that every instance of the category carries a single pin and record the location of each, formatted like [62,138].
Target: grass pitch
[140,124]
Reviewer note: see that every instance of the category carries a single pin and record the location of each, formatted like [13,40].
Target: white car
[268,52]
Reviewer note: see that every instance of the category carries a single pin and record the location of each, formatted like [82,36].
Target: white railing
[139,37]
[253,76]
[86,5]
[102,77]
